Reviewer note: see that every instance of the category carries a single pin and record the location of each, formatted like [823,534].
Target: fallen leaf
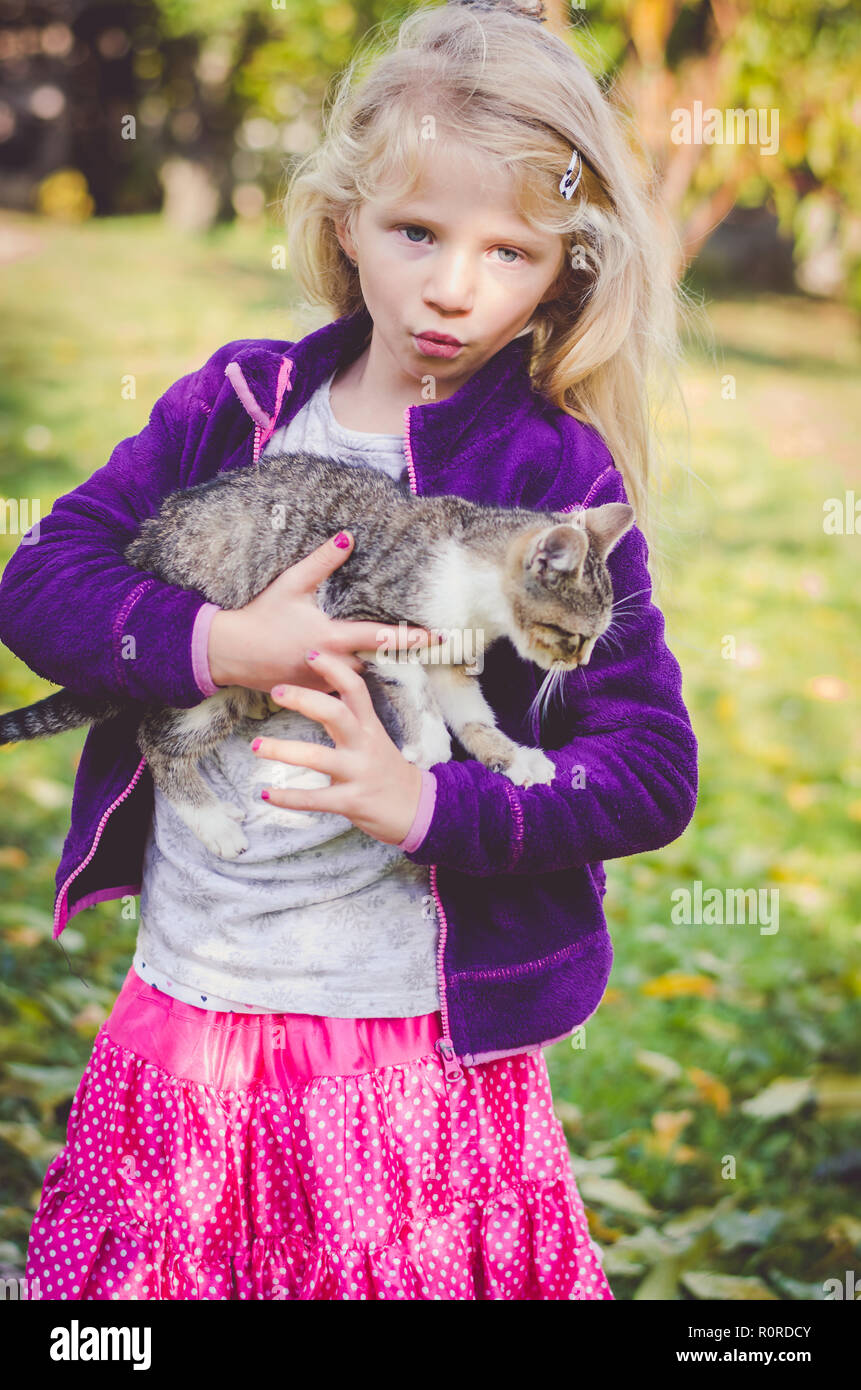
[660,1284]
[710,1089]
[676,985]
[838,1093]
[570,1116]
[28,1140]
[718,1029]
[726,1287]
[785,1096]
[609,1192]
[668,1125]
[22,936]
[657,1064]
[739,1228]
[11,857]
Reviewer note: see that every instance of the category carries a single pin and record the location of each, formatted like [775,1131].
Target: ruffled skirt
[286,1156]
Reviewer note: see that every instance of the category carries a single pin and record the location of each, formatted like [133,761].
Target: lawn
[711,1104]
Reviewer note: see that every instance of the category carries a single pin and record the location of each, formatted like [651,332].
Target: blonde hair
[493,80]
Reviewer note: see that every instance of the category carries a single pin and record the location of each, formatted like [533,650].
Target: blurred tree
[225,96]
[796,65]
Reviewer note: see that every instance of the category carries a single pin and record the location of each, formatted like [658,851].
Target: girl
[323,1076]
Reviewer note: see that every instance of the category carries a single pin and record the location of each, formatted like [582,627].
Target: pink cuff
[200,647]
[424,813]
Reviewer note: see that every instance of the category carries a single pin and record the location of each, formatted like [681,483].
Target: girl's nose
[450,284]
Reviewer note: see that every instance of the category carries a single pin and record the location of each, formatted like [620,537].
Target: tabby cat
[443,563]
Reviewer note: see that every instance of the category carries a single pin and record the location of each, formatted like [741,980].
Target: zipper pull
[445,1046]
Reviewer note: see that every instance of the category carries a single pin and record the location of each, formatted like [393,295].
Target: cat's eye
[563,631]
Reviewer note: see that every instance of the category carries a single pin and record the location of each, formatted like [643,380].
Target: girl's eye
[423,232]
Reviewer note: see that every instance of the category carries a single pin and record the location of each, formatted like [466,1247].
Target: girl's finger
[297,753]
[335,716]
[349,684]
[353,636]
[322,799]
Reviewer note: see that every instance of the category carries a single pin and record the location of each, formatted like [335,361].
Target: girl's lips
[432,347]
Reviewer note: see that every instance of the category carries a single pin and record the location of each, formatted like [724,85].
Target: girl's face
[455,260]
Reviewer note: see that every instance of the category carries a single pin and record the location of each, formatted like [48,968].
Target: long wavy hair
[605,346]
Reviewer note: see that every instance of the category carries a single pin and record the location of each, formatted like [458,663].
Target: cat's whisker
[618,603]
[545,695]
[615,641]
[617,625]
[634,608]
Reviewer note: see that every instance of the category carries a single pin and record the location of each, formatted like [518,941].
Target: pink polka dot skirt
[242,1171]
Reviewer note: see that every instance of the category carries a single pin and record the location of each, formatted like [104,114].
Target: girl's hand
[265,642]
[373,785]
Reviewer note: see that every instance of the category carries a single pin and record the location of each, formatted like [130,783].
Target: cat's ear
[608,524]
[562,548]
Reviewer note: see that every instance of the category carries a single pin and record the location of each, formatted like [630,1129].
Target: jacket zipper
[444,1045]
[61,897]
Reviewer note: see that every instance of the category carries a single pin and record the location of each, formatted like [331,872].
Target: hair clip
[568,184]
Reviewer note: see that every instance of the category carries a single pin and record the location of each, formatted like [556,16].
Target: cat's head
[559,587]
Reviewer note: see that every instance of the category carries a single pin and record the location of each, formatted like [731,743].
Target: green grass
[681,1182]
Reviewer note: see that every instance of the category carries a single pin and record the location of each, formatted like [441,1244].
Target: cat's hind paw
[433,746]
[530,766]
[259,705]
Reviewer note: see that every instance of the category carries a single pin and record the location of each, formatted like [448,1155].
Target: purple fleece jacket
[516,874]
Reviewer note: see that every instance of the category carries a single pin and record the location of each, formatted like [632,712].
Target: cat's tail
[56,713]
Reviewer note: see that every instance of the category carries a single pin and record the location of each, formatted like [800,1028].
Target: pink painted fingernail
[342,540]
[278,692]
[265,794]
[309,656]
[256,744]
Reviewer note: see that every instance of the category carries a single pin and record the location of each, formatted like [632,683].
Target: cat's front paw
[225,839]
[217,827]
[528,766]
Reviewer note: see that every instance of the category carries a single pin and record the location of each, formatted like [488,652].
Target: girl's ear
[345,240]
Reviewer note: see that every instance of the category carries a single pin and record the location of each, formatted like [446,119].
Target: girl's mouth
[437,345]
